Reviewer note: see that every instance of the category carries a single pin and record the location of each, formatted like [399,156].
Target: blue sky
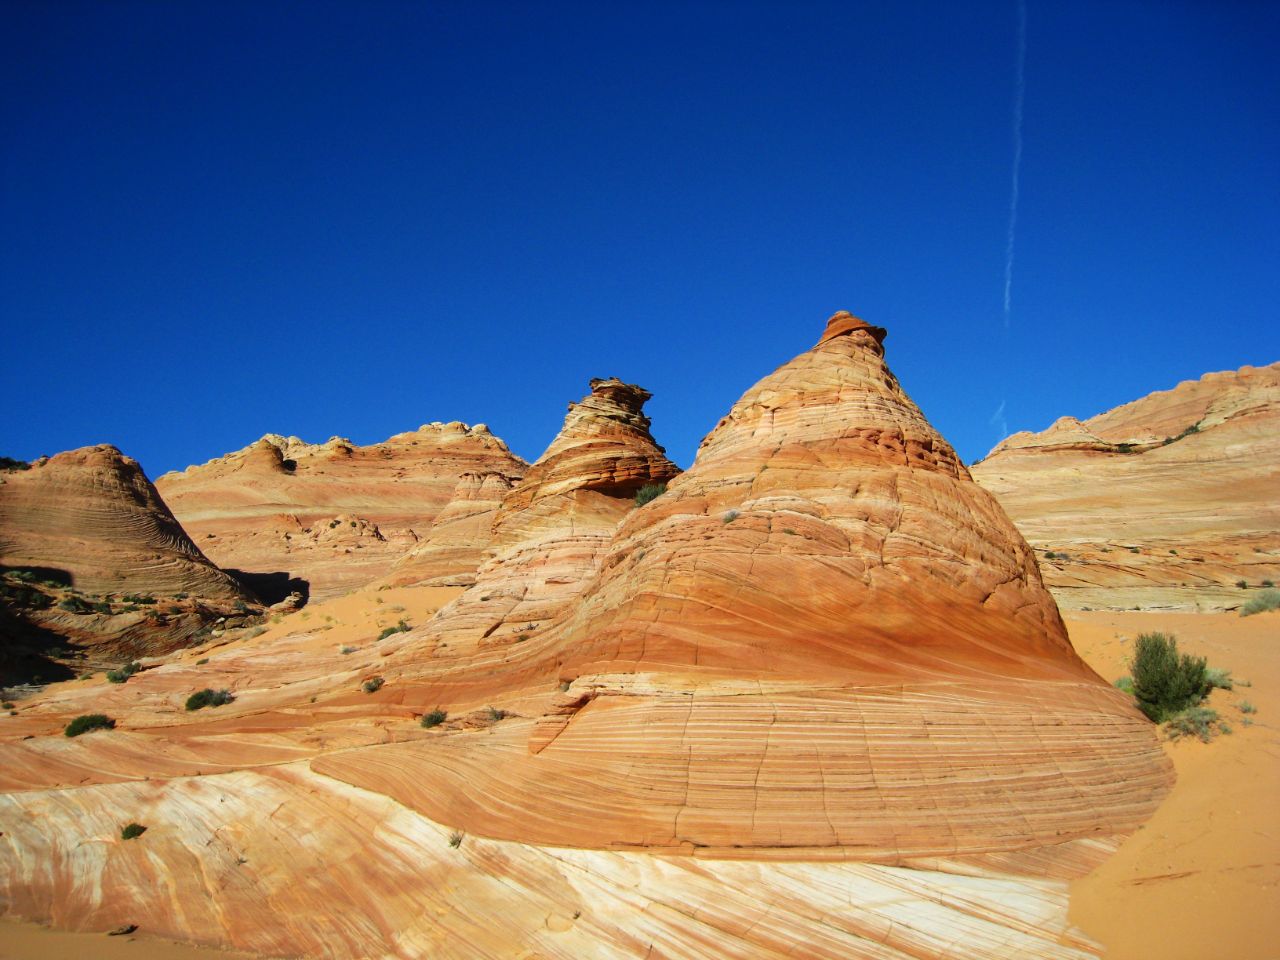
[222,219]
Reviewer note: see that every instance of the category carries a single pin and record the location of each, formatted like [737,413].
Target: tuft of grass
[1247,707]
[1268,584]
[1218,678]
[496,714]
[730,516]
[209,698]
[1242,584]
[202,661]
[372,685]
[434,718]
[649,492]
[131,830]
[347,650]
[1198,722]
[455,839]
[1125,684]
[1263,602]
[88,722]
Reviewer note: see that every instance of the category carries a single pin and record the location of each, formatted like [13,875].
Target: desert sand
[1202,877]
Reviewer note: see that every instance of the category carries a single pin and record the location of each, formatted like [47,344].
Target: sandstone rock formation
[93,514]
[82,536]
[549,531]
[454,547]
[1163,503]
[328,517]
[814,700]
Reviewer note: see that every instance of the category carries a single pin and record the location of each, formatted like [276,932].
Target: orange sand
[1202,878]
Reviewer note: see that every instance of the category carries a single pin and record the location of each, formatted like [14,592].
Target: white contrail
[1019,93]
[998,421]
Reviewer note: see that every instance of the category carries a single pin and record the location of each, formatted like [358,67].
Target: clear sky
[224,219]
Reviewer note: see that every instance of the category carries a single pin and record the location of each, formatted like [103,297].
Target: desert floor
[1201,879]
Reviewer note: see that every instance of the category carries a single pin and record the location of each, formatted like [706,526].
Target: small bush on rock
[131,830]
[209,698]
[434,718]
[372,685]
[87,722]
[649,492]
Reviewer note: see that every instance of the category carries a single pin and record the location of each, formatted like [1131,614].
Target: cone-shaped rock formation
[93,515]
[551,528]
[825,640]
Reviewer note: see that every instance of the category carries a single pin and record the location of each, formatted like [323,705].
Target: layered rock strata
[824,640]
[93,515]
[94,565]
[551,528]
[813,699]
[329,517]
[1167,502]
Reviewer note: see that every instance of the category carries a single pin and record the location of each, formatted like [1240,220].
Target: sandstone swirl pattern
[812,701]
[824,640]
[1163,503]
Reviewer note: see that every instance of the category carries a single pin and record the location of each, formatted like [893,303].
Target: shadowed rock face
[94,514]
[335,515]
[1165,502]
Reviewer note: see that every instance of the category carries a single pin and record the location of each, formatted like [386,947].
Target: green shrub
[124,673]
[1268,583]
[1247,707]
[400,627]
[455,839]
[1242,584]
[434,718]
[7,705]
[495,714]
[131,830]
[8,463]
[89,721]
[135,598]
[1134,550]
[1264,601]
[202,661]
[650,491]
[102,607]
[730,516]
[1125,684]
[372,685]
[347,650]
[1165,684]
[74,605]
[209,698]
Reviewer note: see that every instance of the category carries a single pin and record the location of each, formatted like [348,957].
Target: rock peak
[842,322]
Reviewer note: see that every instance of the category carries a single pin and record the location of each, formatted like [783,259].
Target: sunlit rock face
[333,515]
[93,514]
[550,530]
[813,701]
[824,640]
[1163,503]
